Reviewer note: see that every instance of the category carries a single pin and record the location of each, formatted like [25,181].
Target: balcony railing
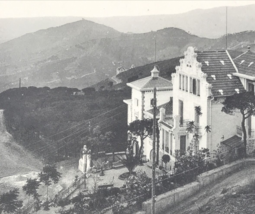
[250,132]
[183,123]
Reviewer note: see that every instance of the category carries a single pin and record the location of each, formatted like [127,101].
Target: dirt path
[213,192]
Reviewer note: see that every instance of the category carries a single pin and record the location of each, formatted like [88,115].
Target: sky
[13,9]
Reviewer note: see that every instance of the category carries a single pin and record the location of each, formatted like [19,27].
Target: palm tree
[48,175]
[31,187]
[131,161]
[9,202]
[165,159]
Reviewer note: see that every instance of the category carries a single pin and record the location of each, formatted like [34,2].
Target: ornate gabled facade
[200,84]
[189,107]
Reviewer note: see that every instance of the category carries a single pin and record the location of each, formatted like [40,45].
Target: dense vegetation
[53,122]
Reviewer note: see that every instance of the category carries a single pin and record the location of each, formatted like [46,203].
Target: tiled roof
[246,63]
[148,83]
[168,107]
[218,64]
[233,142]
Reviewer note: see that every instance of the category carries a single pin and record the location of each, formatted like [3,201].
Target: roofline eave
[244,76]
[132,86]
[231,60]
[157,88]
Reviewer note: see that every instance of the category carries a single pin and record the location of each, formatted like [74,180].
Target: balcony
[250,132]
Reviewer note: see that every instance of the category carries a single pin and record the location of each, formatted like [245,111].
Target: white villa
[200,84]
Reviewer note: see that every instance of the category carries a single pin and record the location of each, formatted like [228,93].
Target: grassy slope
[47,121]
[14,158]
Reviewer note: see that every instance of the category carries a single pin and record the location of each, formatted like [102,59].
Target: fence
[171,198]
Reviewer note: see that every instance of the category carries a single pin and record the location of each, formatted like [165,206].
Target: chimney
[155,72]
[162,114]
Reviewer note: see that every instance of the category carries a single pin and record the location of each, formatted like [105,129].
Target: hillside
[51,123]
[83,53]
[14,158]
[10,28]
[208,23]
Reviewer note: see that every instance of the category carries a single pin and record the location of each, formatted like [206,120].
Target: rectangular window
[182,82]
[163,138]
[171,144]
[187,83]
[196,118]
[166,141]
[136,102]
[250,87]
[198,87]
[179,81]
[194,88]
[183,145]
[181,112]
[190,85]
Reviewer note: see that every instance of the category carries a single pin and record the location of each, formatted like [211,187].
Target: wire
[83,123]
[79,131]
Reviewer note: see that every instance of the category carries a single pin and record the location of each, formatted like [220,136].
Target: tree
[130,162]
[142,129]
[165,159]
[110,138]
[9,202]
[31,188]
[48,175]
[245,103]
[95,140]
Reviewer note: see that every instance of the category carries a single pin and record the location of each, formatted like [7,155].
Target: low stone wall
[171,198]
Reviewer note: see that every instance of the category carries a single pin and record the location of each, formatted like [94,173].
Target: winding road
[213,192]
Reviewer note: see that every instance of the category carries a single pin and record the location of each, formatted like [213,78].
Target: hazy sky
[105,8]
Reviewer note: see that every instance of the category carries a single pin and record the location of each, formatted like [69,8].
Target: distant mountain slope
[11,28]
[83,53]
[208,23]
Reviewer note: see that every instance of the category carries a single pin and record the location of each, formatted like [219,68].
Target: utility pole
[157,131]
[19,82]
[153,152]
[155,47]
[226,28]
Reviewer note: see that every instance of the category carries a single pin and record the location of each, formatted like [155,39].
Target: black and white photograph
[127,107]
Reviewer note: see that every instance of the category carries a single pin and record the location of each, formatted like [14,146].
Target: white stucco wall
[222,124]
[163,96]
[190,68]
[137,109]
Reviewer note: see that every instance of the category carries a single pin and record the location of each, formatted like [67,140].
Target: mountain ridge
[83,53]
[209,23]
